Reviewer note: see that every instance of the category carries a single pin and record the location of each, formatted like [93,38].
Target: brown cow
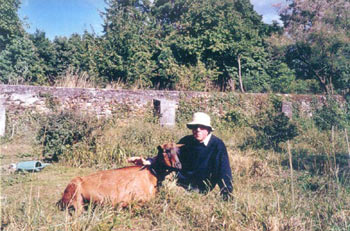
[121,186]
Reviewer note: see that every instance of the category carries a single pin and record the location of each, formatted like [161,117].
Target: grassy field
[268,195]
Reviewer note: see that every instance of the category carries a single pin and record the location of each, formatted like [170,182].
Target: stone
[2,117]
[165,109]
[287,109]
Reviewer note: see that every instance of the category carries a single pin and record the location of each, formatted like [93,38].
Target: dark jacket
[203,167]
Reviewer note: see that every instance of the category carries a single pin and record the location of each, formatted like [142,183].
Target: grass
[263,198]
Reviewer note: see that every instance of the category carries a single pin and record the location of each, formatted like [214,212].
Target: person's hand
[137,160]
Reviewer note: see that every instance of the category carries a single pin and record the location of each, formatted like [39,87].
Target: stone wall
[106,102]
[101,102]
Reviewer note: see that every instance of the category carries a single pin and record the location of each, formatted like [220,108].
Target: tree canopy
[318,41]
[190,45]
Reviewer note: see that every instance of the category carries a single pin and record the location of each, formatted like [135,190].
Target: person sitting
[204,159]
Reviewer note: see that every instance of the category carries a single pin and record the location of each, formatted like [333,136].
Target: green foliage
[227,111]
[184,44]
[331,114]
[282,78]
[120,140]
[318,46]
[275,130]
[61,131]
[218,33]
[188,45]
[272,127]
[10,24]
[19,63]
[187,107]
[129,42]
[236,119]
[46,54]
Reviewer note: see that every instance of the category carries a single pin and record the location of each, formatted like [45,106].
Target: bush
[235,119]
[276,129]
[272,127]
[60,131]
[331,114]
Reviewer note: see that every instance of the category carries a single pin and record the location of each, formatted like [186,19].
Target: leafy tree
[127,39]
[46,54]
[19,63]
[317,41]
[90,55]
[63,54]
[10,24]
[224,35]
[182,44]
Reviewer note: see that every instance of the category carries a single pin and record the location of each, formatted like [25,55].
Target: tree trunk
[231,82]
[240,74]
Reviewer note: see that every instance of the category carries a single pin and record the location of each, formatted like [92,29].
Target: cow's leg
[78,204]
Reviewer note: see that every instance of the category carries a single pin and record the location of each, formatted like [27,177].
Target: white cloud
[267,10]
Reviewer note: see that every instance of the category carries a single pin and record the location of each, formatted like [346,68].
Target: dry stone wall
[101,102]
[14,99]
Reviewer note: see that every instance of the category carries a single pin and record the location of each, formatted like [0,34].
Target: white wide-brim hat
[200,118]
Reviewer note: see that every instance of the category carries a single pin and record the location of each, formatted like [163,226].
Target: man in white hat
[204,159]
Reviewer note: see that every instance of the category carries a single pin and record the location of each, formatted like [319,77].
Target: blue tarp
[31,166]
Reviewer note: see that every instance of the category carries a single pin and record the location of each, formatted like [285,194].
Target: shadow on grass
[320,164]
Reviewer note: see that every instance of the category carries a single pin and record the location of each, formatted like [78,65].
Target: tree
[318,41]
[183,44]
[226,36]
[128,42]
[19,63]
[46,54]
[10,24]
[63,55]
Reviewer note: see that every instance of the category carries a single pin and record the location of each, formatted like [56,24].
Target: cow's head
[169,153]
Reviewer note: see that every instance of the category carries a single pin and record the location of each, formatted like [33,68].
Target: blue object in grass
[30,166]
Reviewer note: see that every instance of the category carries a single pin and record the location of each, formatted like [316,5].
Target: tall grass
[75,79]
[125,139]
[262,196]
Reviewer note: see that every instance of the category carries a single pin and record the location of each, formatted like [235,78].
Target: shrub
[331,114]
[272,127]
[60,131]
[235,119]
[276,130]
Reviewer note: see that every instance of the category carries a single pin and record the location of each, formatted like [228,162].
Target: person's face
[200,132]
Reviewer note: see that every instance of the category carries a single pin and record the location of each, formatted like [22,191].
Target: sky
[65,17]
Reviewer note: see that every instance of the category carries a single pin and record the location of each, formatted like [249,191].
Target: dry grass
[262,189]
[75,79]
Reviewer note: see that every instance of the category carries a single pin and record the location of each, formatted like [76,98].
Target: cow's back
[120,186]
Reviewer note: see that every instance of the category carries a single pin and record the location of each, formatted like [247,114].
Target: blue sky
[65,17]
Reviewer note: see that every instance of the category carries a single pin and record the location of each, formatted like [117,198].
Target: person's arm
[138,160]
[225,174]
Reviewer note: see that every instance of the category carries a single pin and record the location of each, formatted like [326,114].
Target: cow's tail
[69,194]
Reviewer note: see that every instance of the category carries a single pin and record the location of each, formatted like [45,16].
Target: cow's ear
[179,145]
[160,148]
